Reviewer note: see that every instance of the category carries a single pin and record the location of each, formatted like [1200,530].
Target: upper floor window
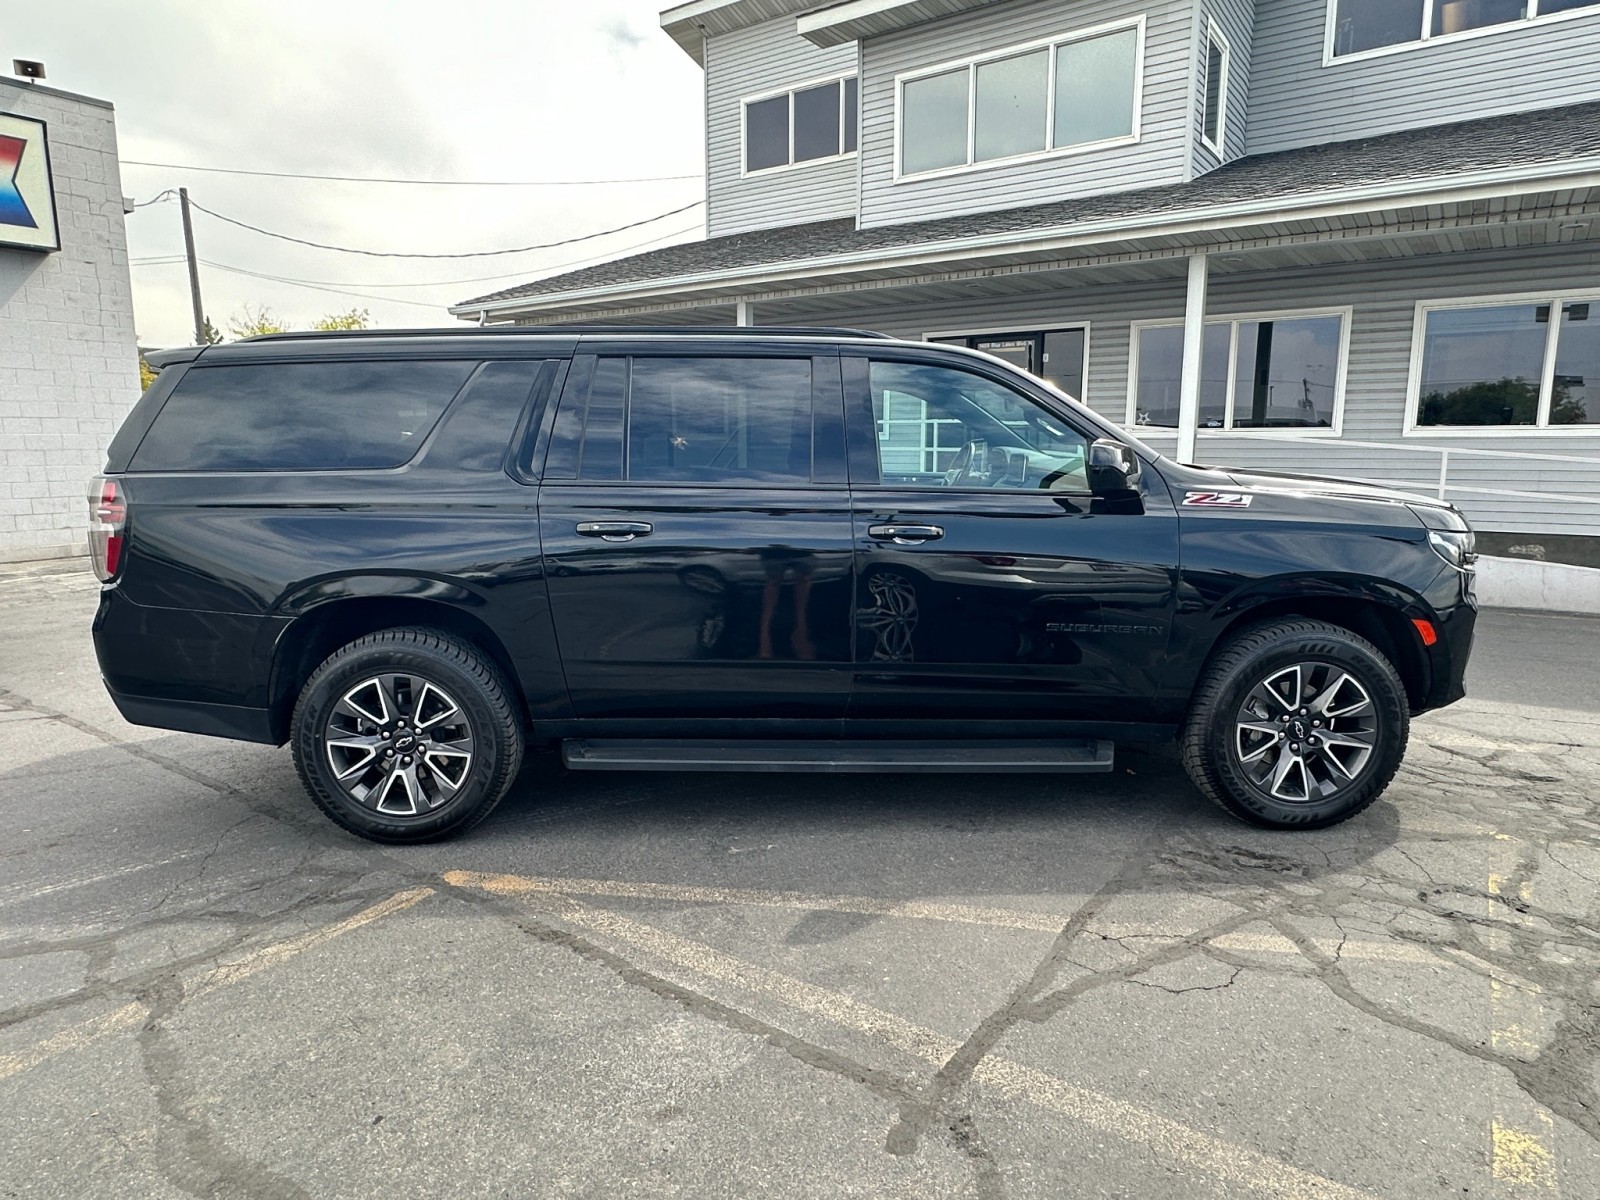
[1362,25]
[1065,94]
[800,125]
[1214,117]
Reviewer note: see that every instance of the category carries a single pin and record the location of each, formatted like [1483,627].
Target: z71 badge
[1217,500]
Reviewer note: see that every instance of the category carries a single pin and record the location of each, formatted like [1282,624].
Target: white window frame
[1026,327]
[1547,374]
[1346,315]
[844,118]
[971,66]
[1427,38]
[1215,36]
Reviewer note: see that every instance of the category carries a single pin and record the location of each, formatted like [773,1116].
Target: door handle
[905,535]
[615,531]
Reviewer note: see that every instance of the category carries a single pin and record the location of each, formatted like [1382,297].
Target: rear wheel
[407,735]
[1296,725]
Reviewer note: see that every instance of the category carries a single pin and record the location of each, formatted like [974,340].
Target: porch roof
[1413,175]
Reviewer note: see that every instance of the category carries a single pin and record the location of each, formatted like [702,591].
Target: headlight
[1456,546]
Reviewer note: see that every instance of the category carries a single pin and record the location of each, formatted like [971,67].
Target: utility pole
[194,269]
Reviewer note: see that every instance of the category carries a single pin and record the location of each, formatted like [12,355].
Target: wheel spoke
[1361,740]
[362,750]
[1267,729]
[446,707]
[404,782]
[1287,763]
[449,766]
[369,691]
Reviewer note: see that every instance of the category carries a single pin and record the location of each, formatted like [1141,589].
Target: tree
[147,374]
[1489,402]
[356,318]
[258,320]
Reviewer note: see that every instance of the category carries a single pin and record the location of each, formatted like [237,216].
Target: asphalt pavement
[762,986]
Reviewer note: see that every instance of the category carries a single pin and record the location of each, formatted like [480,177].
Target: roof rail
[610,330]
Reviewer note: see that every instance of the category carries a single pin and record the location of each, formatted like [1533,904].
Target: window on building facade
[803,125]
[1257,373]
[1214,118]
[1534,363]
[1056,356]
[1062,95]
[1362,25]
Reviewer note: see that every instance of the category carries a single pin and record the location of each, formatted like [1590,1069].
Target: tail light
[108,525]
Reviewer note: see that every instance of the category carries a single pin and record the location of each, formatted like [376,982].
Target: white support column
[744,313]
[1194,328]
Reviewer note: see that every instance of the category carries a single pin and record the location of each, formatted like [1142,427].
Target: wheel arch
[1381,621]
[321,627]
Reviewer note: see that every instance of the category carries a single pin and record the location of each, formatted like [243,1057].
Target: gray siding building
[69,368]
[1349,237]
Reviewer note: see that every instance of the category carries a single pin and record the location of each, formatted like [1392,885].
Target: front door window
[940,427]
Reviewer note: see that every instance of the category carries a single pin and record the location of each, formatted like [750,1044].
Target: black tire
[1248,686]
[461,744]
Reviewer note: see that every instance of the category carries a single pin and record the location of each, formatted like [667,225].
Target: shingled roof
[1551,136]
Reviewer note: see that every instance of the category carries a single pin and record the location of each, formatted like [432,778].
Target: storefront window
[1257,373]
[1486,365]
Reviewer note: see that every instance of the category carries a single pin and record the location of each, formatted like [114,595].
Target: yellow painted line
[1522,1159]
[1200,1151]
[75,1037]
[130,1016]
[1519,1159]
[960,914]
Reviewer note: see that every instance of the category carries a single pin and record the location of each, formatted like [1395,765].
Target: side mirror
[1113,468]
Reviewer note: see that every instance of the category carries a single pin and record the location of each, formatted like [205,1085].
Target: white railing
[1441,485]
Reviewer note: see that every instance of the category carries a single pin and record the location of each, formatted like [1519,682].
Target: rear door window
[720,420]
[319,416]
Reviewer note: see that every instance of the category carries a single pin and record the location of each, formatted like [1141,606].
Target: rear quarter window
[321,416]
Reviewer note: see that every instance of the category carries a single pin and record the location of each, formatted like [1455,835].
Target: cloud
[622,34]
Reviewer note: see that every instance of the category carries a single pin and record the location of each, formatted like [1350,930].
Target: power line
[131,162]
[156,199]
[469,254]
[435,306]
[167,260]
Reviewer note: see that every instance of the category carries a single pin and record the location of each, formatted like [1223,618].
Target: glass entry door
[1054,355]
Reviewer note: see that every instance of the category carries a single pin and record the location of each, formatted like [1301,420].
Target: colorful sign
[27,193]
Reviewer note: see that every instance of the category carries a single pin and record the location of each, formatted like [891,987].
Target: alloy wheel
[1306,732]
[399,744]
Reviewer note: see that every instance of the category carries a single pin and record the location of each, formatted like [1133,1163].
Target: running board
[660,754]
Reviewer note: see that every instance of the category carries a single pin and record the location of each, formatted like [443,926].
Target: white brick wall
[69,367]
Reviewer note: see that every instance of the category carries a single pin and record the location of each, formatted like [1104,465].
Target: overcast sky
[471,90]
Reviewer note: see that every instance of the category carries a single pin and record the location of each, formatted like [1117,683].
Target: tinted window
[766,134]
[817,122]
[720,420]
[1367,24]
[299,416]
[1483,366]
[1095,83]
[1212,122]
[939,427]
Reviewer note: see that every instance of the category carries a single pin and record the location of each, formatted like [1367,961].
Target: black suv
[412,555]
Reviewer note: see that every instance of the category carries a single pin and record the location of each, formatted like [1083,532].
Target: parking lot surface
[808,986]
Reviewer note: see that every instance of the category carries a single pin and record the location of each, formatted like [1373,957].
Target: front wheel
[1296,725]
[406,735]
